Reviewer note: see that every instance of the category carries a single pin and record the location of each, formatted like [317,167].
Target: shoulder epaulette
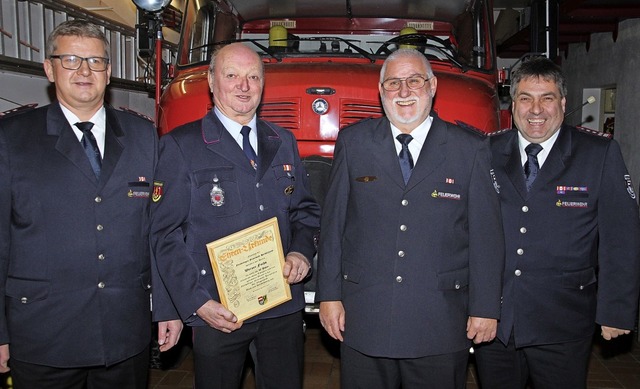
[471,128]
[129,110]
[502,131]
[594,132]
[18,111]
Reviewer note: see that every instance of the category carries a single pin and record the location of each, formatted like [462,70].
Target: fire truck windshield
[454,31]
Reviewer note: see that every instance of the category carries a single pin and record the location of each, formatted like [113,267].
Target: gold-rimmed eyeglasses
[73,62]
[413,82]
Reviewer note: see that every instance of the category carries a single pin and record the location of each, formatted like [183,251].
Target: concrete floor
[613,365]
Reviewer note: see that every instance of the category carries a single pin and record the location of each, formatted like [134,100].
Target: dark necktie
[246,147]
[406,162]
[531,167]
[90,146]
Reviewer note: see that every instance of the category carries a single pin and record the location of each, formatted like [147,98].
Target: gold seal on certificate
[247,266]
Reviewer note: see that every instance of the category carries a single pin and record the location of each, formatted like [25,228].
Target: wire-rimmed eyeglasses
[413,82]
[73,62]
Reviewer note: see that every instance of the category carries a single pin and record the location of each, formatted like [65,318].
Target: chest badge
[217,193]
[288,190]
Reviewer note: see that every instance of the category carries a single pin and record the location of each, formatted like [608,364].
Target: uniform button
[99,227]
[101,285]
[101,257]
[523,230]
[203,272]
[261,207]
[403,228]
[401,253]
[398,279]
[258,185]
[457,286]
[345,276]
[517,273]
[520,251]
[525,208]
[98,199]
[405,203]
[24,300]
[581,287]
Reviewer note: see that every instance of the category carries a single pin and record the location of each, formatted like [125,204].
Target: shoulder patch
[158,191]
[125,109]
[594,132]
[470,128]
[499,132]
[17,111]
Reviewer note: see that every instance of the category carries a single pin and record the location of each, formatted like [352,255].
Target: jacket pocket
[579,279]
[351,272]
[27,291]
[454,279]
[216,192]
[145,280]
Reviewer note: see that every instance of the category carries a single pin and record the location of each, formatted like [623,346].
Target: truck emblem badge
[320,106]
[217,193]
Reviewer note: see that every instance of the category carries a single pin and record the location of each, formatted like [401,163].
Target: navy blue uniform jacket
[74,251]
[573,241]
[410,264]
[184,218]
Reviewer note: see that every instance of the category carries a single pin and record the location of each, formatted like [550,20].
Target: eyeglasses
[413,82]
[73,62]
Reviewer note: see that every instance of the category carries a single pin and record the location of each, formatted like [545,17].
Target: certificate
[247,267]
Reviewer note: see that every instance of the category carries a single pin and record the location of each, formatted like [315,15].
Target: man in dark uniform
[410,258]
[216,176]
[75,182]
[573,240]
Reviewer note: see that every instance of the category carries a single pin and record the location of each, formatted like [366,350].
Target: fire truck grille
[285,113]
[352,110]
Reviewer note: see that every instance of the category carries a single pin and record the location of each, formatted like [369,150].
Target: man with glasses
[411,245]
[75,183]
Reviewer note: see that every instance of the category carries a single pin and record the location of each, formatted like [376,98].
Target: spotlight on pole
[153,24]
[151,5]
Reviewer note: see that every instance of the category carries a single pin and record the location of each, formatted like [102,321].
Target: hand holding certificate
[247,266]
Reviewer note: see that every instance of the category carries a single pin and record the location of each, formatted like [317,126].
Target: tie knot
[404,138]
[245,130]
[533,149]
[84,126]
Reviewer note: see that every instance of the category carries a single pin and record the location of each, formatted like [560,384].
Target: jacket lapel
[387,159]
[219,141]
[513,164]
[555,162]
[112,146]
[68,144]
[268,145]
[432,153]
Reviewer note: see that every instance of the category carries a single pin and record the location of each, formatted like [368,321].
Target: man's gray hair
[406,53]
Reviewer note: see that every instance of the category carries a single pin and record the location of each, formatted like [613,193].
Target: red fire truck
[322,63]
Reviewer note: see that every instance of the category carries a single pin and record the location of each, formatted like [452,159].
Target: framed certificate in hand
[247,267]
